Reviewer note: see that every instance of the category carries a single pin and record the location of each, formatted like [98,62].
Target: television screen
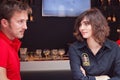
[62,8]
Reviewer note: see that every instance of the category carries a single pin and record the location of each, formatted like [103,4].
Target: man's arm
[3,75]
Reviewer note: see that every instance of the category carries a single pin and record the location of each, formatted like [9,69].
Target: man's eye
[21,21]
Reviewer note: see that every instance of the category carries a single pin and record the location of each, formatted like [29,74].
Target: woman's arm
[102,77]
[75,63]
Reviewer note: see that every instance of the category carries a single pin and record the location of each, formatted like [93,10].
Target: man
[13,18]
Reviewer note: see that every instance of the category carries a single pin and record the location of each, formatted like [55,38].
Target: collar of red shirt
[14,43]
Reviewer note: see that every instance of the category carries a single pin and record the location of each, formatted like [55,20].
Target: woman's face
[85,28]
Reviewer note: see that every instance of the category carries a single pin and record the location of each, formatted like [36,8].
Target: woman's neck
[93,45]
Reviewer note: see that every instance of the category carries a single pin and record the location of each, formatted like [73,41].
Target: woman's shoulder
[111,43]
[118,41]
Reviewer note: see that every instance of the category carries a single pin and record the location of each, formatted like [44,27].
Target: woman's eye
[86,23]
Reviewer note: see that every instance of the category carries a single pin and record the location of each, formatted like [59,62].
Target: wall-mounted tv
[64,8]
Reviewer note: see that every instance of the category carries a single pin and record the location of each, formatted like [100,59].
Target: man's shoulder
[3,43]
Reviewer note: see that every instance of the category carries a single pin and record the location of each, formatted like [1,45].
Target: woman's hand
[83,71]
[102,77]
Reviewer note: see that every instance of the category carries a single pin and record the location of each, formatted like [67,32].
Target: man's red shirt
[9,56]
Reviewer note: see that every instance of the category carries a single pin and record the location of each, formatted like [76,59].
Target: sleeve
[3,56]
[75,64]
[116,65]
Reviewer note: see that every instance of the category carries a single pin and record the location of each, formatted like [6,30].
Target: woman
[93,56]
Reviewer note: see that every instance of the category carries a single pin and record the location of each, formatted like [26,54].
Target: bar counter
[46,70]
[50,65]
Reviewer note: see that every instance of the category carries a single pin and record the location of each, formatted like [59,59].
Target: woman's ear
[4,22]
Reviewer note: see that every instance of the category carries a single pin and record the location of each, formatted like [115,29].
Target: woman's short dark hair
[98,22]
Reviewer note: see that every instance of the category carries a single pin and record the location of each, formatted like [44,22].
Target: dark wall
[53,32]
[48,32]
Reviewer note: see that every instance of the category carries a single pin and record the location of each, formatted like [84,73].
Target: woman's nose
[82,27]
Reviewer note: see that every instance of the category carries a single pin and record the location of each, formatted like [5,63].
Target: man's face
[17,25]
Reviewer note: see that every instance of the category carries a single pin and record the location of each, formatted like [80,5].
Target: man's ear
[4,22]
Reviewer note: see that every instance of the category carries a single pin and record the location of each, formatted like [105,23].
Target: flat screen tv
[64,8]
